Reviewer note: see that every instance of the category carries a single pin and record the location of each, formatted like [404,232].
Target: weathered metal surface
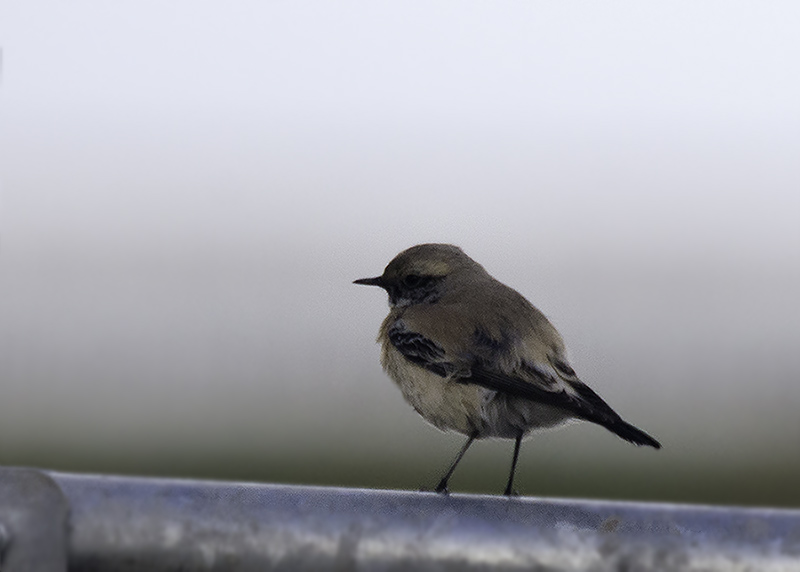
[126,524]
[33,522]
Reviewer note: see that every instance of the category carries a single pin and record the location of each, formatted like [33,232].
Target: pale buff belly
[466,408]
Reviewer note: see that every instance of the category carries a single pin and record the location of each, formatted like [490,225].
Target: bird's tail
[581,401]
[591,407]
[630,433]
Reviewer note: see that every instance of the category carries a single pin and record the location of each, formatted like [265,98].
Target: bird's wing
[567,392]
[420,350]
[432,356]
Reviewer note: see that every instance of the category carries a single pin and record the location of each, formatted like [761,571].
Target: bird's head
[422,273]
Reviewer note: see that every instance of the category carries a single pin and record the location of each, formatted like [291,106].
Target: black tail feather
[631,434]
[592,408]
[585,404]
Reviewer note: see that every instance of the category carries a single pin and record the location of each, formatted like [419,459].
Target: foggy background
[189,189]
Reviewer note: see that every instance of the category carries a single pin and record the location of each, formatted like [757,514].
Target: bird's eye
[412,281]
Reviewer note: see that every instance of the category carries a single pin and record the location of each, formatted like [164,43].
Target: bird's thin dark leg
[510,486]
[442,486]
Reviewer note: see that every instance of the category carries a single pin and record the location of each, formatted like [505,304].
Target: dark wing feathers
[420,350]
[585,404]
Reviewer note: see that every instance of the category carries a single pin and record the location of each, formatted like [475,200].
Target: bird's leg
[510,486]
[442,486]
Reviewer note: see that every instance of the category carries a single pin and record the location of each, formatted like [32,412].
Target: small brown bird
[472,355]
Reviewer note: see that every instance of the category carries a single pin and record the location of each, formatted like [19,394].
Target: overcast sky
[146,120]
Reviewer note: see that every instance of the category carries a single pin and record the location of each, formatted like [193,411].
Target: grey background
[189,188]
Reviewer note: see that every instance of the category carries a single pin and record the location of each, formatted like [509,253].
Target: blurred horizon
[188,190]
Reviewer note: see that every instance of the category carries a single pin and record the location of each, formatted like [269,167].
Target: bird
[474,356]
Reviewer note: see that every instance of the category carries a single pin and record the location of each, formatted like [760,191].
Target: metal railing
[53,521]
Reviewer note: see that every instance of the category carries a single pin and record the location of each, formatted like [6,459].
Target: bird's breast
[443,402]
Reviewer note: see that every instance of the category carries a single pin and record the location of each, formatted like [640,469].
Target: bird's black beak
[377,281]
